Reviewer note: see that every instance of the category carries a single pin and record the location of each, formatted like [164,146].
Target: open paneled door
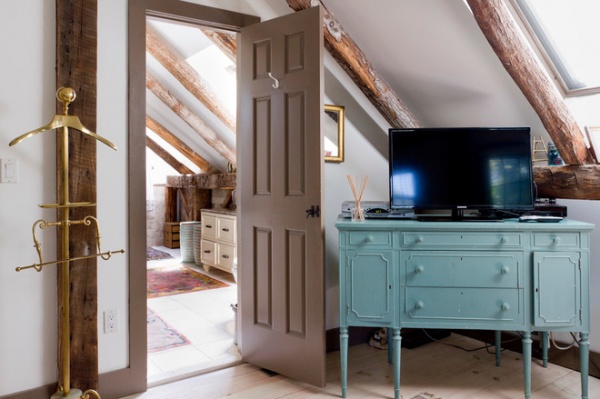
[280,159]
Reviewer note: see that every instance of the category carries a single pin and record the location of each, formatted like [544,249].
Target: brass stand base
[73,394]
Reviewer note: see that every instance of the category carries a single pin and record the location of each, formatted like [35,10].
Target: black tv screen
[461,168]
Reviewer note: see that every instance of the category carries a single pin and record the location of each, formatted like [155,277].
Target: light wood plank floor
[432,371]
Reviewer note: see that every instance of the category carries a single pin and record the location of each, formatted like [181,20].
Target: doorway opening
[191,275]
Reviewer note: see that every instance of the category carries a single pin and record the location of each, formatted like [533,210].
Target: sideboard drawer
[561,240]
[374,238]
[209,226]
[467,269]
[209,252]
[460,305]
[462,239]
[226,229]
[226,254]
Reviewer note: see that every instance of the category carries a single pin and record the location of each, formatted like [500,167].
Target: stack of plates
[198,244]
[186,241]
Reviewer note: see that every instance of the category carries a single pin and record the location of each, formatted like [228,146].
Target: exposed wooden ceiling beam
[347,53]
[193,120]
[504,35]
[187,76]
[568,181]
[180,146]
[226,42]
[168,158]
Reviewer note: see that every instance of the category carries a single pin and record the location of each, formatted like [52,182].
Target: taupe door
[281,305]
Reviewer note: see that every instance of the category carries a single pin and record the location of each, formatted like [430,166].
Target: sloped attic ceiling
[433,54]
[214,72]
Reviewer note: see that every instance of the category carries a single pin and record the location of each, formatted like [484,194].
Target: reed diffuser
[358,185]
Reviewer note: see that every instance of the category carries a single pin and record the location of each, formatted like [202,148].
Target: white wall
[27,299]
[27,312]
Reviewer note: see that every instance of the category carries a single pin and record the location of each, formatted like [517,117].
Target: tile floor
[204,317]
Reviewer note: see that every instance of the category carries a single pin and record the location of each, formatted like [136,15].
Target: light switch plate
[9,170]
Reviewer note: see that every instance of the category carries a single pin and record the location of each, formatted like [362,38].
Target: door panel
[281,258]
[557,288]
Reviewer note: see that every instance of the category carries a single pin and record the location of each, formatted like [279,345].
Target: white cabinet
[218,243]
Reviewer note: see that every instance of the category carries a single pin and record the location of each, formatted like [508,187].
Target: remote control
[540,218]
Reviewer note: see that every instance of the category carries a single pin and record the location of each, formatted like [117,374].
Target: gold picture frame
[333,133]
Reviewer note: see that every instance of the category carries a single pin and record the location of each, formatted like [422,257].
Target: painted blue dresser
[497,276]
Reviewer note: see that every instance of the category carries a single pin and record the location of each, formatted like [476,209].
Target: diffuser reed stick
[358,185]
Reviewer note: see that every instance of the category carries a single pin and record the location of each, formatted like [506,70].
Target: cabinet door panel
[368,278]
[557,289]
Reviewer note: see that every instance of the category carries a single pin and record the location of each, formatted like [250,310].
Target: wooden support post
[170,204]
[76,64]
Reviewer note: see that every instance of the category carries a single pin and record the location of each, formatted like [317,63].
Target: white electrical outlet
[111,324]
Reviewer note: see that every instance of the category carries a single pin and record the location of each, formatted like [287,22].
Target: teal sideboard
[497,276]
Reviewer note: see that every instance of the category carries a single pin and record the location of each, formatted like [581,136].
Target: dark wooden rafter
[168,158]
[347,53]
[193,120]
[187,76]
[76,67]
[507,40]
[225,41]
[179,145]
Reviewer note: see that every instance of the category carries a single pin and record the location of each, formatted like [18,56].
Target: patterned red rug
[161,335]
[178,279]
[155,254]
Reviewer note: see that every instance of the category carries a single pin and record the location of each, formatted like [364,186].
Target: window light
[568,35]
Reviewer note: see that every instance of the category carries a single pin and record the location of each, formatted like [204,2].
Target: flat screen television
[476,172]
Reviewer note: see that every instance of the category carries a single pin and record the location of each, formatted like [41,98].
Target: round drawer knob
[505,270]
[556,240]
[419,239]
[504,240]
[419,305]
[505,307]
[369,239]
[419,269]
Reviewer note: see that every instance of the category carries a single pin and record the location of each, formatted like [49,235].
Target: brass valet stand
[66,95]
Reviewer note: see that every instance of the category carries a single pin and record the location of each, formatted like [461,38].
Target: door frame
[133,379]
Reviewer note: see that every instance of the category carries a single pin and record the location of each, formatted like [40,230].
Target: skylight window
[568,35]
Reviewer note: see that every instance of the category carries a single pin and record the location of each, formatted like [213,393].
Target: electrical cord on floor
[486,346]
[563,348]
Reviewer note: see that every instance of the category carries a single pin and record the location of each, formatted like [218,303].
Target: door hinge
[347,309]
[580,315]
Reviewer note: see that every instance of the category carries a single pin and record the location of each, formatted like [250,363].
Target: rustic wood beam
[187,76]
[347,53]
[215,181]
[193,120]
[171,204]
[179,145]
[168,158]
[507,40]
[225,41]
[76,67]
[568,181]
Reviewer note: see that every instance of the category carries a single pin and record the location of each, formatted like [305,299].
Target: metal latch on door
[313,211]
